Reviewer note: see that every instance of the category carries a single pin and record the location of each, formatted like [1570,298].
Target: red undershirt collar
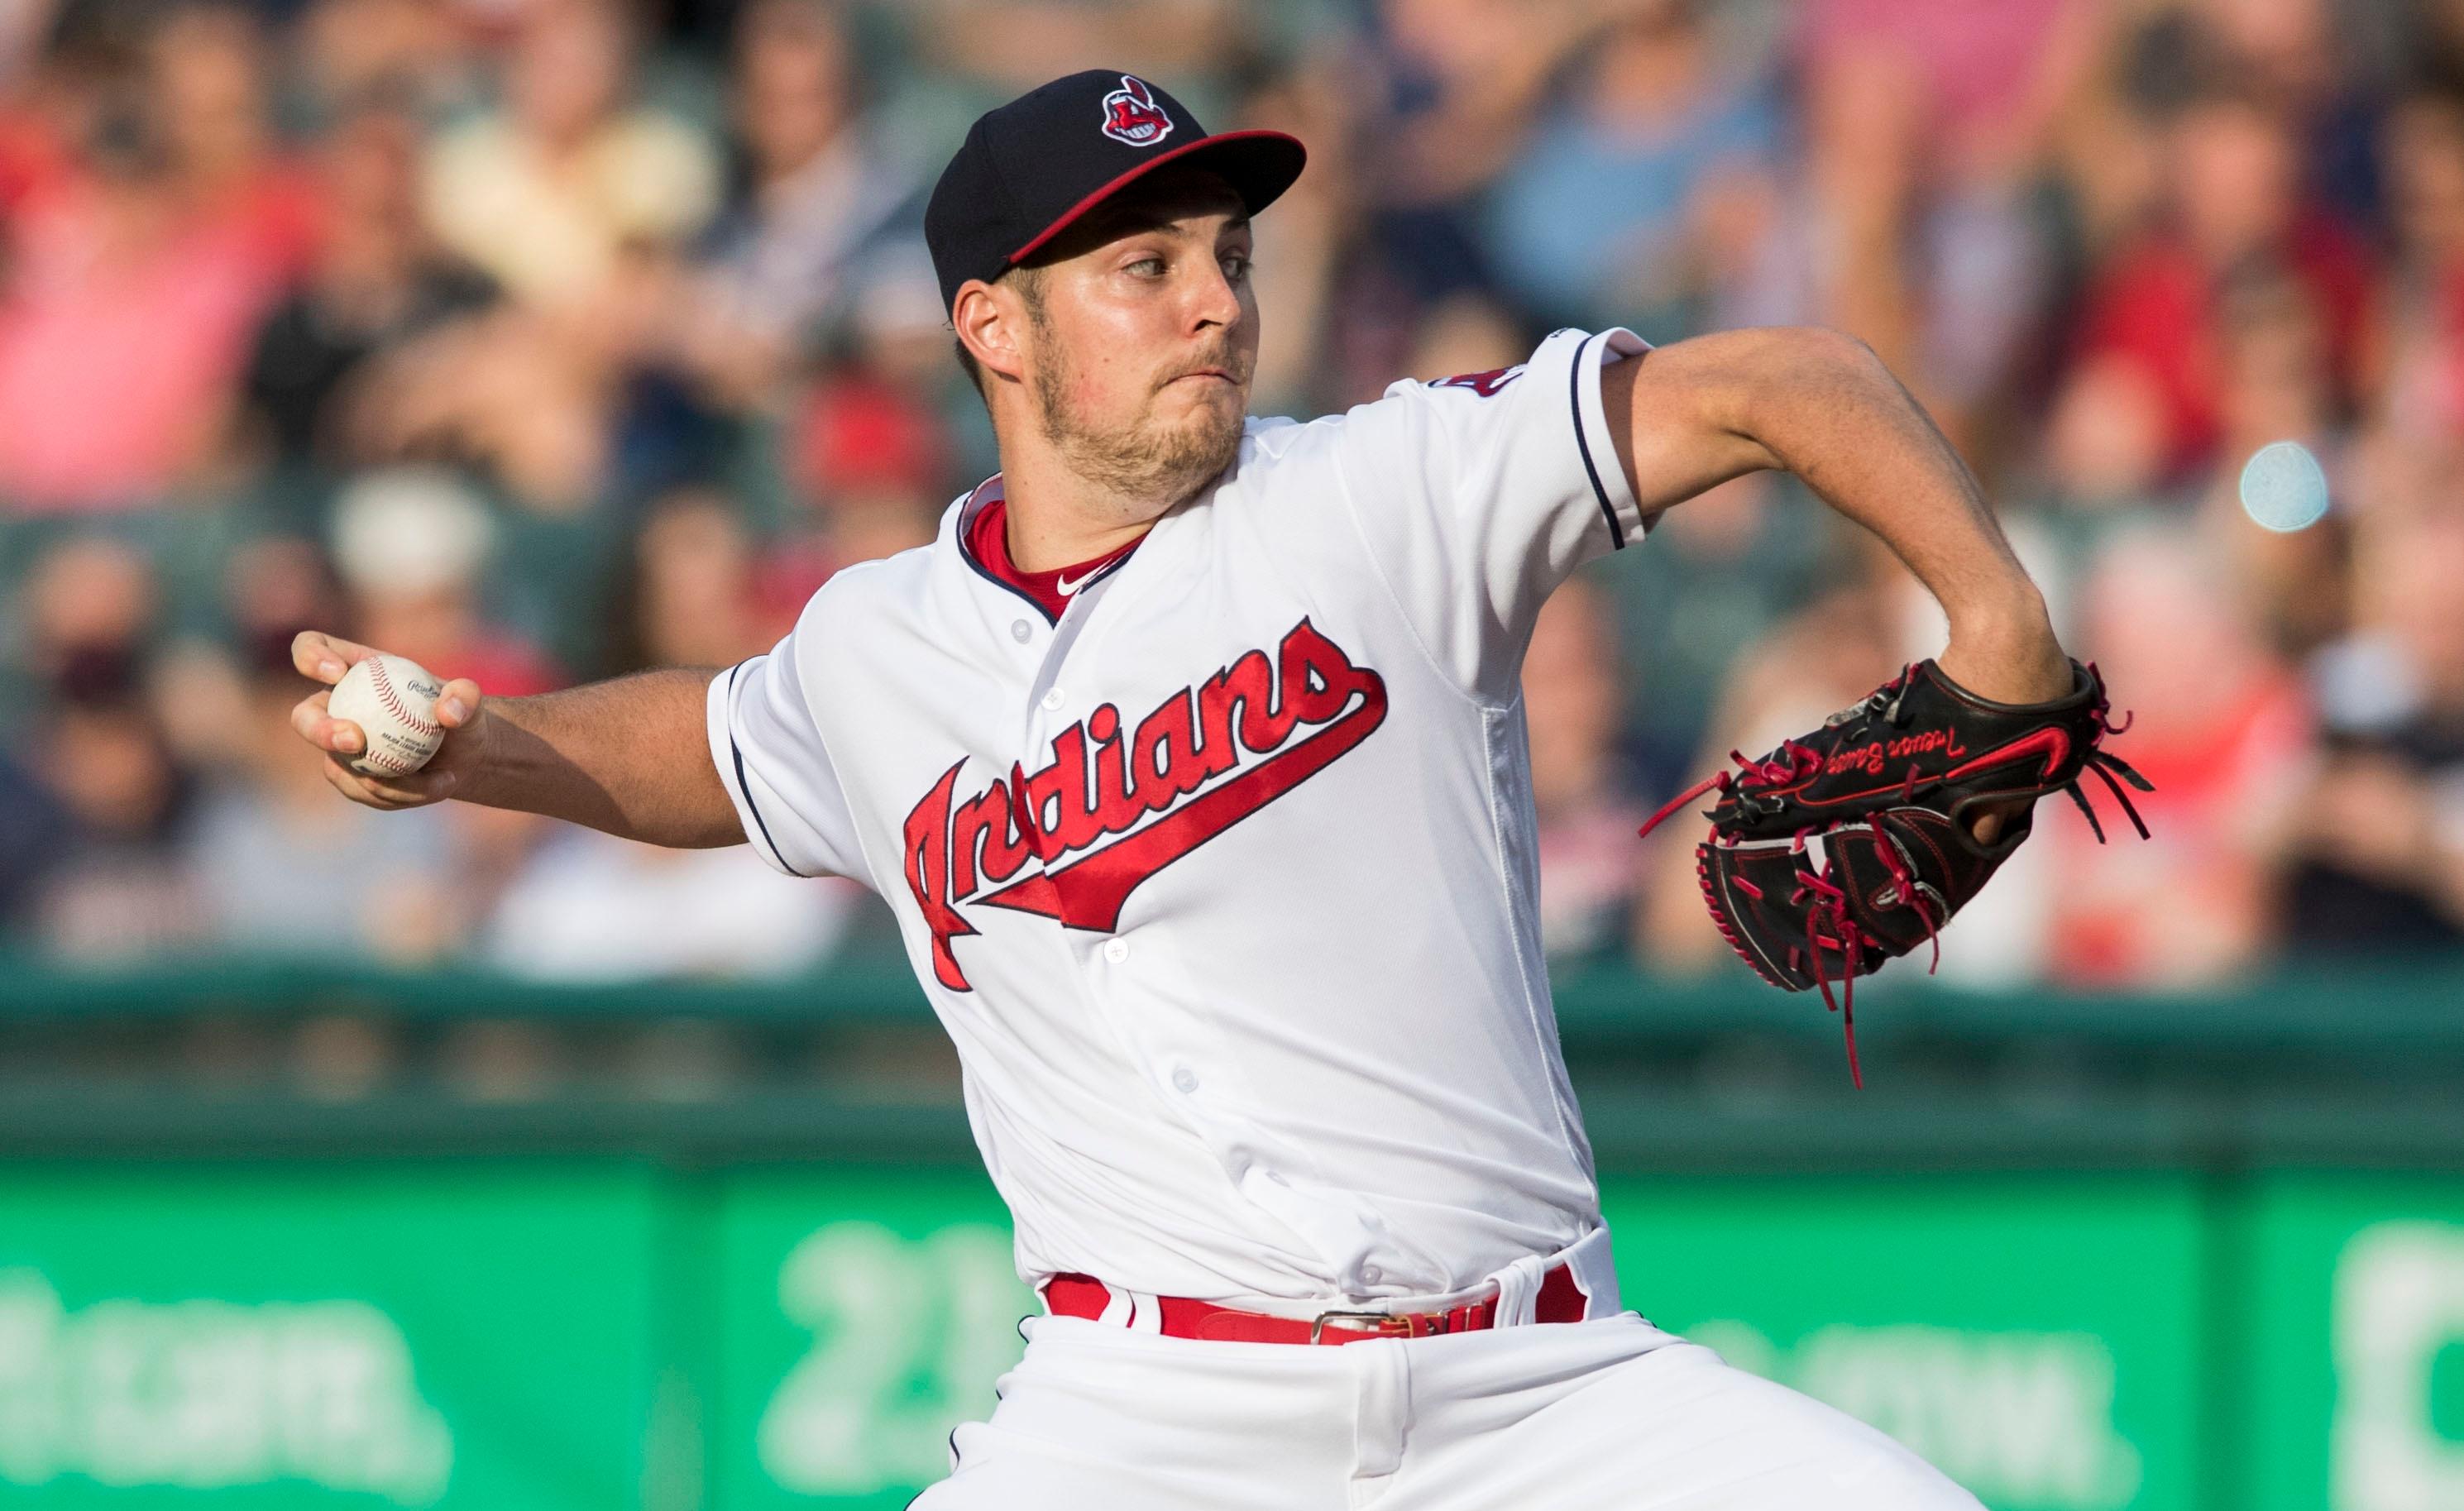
[988,541]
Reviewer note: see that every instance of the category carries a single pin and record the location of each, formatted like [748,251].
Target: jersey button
[1184,1081]
[1371,1275]
[1117,950]
[1019,630]
[1052,700]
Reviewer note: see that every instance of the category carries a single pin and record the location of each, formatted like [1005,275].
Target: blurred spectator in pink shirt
[137,278]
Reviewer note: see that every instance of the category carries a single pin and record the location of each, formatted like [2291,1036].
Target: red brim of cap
[1258,165]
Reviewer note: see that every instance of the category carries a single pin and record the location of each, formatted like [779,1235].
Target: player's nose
[1211,298]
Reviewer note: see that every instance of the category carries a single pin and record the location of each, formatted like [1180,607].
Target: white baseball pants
[1571,1416]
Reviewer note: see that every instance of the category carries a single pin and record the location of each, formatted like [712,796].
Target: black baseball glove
[1854,844]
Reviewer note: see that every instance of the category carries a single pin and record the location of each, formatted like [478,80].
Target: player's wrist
[467,752]
[2007,605]
[2007,651]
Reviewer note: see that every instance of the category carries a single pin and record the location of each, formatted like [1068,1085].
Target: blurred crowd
[540,340]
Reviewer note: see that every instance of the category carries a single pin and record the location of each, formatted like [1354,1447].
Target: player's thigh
[996,1471]
[1100,1417]
[1676,1429]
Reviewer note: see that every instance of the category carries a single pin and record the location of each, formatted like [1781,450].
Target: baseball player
[1191,760]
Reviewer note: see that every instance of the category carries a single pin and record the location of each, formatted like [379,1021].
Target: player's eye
[1236,265]
[1147,267]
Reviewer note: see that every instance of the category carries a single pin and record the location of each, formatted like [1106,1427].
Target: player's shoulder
[1295,460]
[1556,353]
[1408,402]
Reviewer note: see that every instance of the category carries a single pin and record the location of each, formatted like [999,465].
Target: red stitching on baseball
[393,700]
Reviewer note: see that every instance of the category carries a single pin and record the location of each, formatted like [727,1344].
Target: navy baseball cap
[1032,167]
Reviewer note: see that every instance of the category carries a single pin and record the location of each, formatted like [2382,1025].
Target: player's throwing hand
[327,658]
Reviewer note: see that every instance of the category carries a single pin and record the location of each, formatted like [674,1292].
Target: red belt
[1560,1300]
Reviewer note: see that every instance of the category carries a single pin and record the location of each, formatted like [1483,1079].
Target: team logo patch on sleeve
[1208,756]
[1131,115]
[1485,384]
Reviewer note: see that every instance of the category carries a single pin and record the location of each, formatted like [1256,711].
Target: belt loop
[1593,1267]
[1518,1290]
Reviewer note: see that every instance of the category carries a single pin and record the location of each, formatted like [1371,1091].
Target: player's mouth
[1223,374]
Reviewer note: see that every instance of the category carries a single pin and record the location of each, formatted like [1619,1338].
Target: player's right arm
[631,755]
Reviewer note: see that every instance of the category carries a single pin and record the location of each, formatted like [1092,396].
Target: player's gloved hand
[458,707]
[1854,843]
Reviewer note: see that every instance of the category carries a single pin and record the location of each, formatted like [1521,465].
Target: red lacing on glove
[1905,881]
[1791,763]
[1831,906]
[1719,914]
[2105,764]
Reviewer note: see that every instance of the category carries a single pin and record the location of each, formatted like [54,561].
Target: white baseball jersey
[1224,883]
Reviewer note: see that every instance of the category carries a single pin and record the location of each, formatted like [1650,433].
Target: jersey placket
[1202,1088]
[1103,966]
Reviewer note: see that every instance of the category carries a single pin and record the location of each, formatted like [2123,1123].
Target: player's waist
[1574,1284]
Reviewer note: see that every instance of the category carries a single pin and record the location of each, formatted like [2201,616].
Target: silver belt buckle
[1383,1323]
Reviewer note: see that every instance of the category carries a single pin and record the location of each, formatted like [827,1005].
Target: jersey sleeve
[1477,495]
[767,743]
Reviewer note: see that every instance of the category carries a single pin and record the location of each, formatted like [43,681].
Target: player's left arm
[1820,405]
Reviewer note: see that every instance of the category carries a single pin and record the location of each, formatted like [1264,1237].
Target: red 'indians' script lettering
[1869,758]
[1106,778]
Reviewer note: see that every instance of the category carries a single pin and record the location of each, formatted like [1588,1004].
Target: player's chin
[1210,431]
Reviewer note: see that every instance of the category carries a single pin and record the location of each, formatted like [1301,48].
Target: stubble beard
[1147,464]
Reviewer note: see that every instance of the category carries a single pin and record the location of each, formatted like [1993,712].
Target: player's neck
[1058,518]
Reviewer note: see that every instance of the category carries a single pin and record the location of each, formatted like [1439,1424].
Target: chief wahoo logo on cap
[1131,115]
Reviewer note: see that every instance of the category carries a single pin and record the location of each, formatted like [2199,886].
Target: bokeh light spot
[2283,487]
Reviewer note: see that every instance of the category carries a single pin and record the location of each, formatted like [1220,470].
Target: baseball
[394,701]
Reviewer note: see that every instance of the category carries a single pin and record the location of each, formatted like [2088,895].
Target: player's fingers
[308,718]
[411,790]
[325,657]
[414,790]
[351,784]
[457,702]
[310,721]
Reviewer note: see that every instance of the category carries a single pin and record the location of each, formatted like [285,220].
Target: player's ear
[988,325]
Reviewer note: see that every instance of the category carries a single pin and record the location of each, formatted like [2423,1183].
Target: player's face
[1144,337]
